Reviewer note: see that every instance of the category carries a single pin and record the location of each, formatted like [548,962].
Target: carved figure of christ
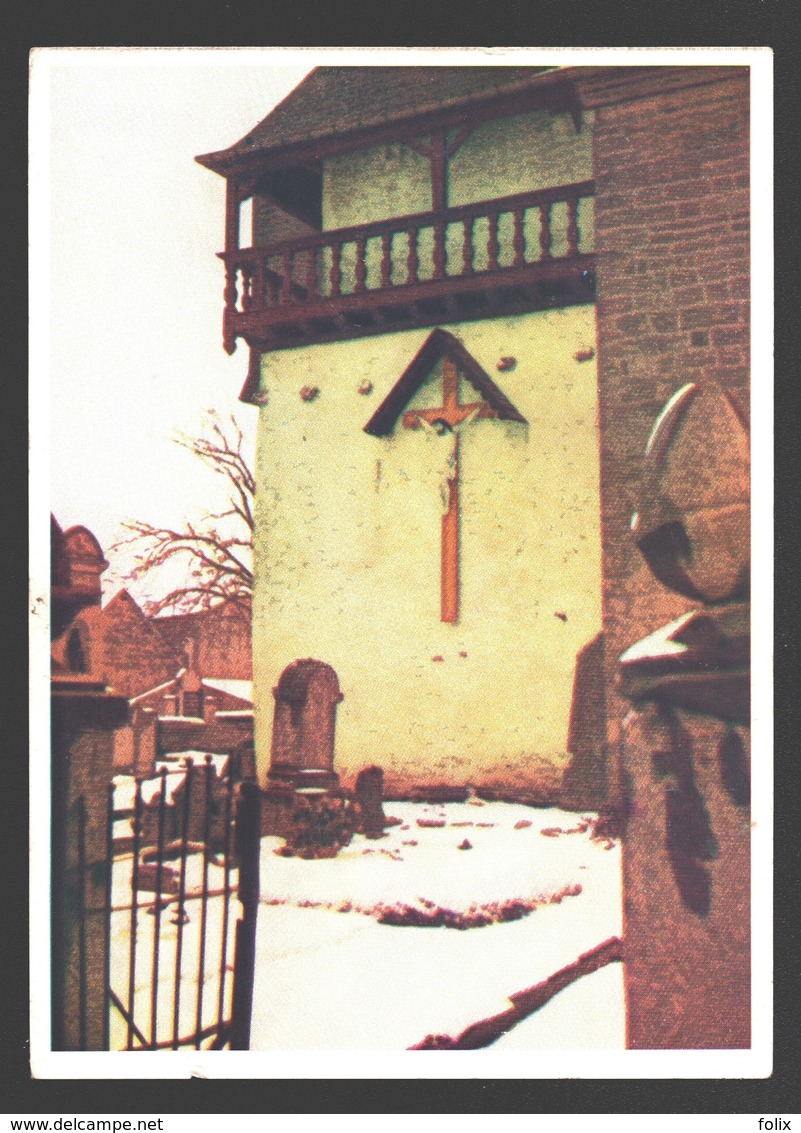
[447,421]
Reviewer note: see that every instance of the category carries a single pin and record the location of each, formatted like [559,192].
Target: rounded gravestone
[304,725]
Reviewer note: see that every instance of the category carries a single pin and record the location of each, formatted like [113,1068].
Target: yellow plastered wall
[531,151]
[520,154]
[348,553]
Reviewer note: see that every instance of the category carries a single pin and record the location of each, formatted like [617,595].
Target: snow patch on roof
[241,689]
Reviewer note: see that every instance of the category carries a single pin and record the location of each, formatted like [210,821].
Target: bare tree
[217,551]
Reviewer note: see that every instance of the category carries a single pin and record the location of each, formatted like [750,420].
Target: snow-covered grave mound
[325,980]
[456,864]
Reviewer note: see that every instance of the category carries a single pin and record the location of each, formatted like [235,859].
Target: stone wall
[672,236]
[672,239]
[84,716]
[135,656]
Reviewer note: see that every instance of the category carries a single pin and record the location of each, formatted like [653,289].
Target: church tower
[418,307]
[498,331]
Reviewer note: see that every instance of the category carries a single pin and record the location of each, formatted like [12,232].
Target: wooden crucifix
[447,421]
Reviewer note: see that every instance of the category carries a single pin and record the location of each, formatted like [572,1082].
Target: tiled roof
[333,100]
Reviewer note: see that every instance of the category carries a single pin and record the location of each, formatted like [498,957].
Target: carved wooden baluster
[439,250]
[386,259]
[287,266]
[361,264]
[311,272]
[413,261]
[545,231]
[493,244]
[247,287]
[336,269]
[467,247]
[230,294]
[519,238]
[572,227]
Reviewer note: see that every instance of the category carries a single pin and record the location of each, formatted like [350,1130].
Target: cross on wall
[448,420]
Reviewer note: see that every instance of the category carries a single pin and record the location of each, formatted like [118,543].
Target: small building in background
[186,677]
[192,713]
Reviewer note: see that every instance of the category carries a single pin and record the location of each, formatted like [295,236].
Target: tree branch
[214,546]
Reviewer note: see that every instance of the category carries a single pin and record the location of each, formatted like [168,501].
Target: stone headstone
[306,699]
[369,793]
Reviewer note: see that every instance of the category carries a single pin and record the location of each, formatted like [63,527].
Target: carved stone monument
[685,744]
[304,725]
[369,793]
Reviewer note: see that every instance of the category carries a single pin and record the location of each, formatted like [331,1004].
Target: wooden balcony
[505,256]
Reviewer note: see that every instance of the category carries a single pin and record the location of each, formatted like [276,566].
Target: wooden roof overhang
[566,89]
[549,91]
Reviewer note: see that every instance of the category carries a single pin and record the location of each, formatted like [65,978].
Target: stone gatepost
[304,726]
[685,744]
[84,716]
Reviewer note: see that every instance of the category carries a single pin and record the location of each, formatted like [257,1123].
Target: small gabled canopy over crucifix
[446,420]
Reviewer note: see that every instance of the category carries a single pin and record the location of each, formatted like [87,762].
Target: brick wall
[672,239]
[135,657]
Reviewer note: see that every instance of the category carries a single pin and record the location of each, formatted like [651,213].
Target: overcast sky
[135,287]
[126,225]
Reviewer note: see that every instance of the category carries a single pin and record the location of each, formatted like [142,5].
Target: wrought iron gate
[180,955]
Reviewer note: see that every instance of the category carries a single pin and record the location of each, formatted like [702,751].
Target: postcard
[393,453]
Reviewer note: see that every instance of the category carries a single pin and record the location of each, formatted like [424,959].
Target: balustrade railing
[491,237]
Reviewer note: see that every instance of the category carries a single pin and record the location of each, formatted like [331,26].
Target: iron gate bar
[248,834]
[137,821]
[181,912]
[241,820]
[154,985]
[80,808]
[229,795]
[115,999]
[204,901]
[223,1036]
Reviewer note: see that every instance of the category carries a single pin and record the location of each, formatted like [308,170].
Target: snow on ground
[335,980]
[587,1014]
[216,957]
[330,980]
